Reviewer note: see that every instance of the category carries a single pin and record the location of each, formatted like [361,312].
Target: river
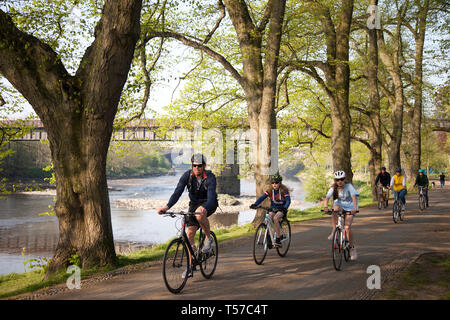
[22,226]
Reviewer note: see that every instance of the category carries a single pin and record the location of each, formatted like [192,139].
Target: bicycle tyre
[422,202]
[174,265]
[260,244]
[395,213]
[286,231]
[208,261]
[380,204]
[336,249]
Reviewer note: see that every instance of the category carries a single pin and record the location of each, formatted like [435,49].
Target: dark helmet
[276,178]
[198,158]
[398,170]
[383,168]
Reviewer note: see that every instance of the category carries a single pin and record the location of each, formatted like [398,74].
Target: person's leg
[334,220]
[350,236]
[425,192]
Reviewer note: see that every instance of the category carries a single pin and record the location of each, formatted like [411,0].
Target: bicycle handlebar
[339,212]
[172,214]
[265,208]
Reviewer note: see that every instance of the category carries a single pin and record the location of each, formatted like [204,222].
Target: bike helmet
[339,175]
[421,171]
[398,170]
[198,158]
[383,168]
[276,178]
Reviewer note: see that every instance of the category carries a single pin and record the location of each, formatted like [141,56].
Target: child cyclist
[279,200]
[345,196]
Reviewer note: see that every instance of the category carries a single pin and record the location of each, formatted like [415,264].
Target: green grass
[13,284]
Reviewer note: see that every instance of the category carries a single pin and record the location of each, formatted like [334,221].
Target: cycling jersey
[277,200]
[421,180]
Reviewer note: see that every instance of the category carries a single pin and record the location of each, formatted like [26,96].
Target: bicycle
[398,210]
[177,264]
[422,203]
[265,236]
[340,246]
[383,198]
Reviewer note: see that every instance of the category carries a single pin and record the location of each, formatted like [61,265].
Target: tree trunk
[416,114]
[78,113]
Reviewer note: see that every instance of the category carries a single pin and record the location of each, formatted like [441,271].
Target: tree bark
[78,113]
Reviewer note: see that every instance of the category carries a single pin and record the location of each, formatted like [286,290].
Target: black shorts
[191,221]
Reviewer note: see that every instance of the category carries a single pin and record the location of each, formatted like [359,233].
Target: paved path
[307,271]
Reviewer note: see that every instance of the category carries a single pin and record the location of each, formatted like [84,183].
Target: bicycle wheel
[260,245]
[176,262]
[286,242]
[401,212]
[380,203]
[422,202]
[336,248]
[208,261]
[395,209]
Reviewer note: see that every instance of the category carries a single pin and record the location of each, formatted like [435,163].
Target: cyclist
[442,179]
[279,200]
[201,185]
[398,183]
[422,181]
[385,179]
[345,197]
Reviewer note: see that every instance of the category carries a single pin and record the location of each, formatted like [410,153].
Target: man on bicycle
[345,197]
[384,178]
[398,183]
[422,181]
[201,185]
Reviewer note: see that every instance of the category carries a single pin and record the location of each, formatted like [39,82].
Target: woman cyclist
[345,197]
[279,200]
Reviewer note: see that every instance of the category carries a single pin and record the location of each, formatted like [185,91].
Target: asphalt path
[307,271]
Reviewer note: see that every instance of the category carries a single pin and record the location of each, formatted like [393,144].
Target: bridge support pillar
[228,181]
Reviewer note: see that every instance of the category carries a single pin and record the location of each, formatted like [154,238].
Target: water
[21,226]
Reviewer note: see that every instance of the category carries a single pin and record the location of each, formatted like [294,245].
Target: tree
[336,70]
[259,46]
[78,113]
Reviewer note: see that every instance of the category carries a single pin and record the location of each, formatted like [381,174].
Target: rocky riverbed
[227,204]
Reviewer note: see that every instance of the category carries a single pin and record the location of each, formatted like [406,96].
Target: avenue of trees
[335,77]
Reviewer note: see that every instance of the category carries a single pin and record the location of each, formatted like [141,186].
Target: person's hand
[163,210]
[253,206]
[353,211]
[201,210]
[325,209]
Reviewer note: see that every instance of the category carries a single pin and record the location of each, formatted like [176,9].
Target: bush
[317,182]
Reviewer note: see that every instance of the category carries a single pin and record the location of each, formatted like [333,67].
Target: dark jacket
[198,193]
[384,179]
[421,181]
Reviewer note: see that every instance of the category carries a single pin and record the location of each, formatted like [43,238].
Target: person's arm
[404,182]
[327,199]
[377,179]
[287,197]
[178,190]
[261,199]
[211,192]
[392,182]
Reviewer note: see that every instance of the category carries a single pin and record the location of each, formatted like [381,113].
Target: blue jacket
[198,193]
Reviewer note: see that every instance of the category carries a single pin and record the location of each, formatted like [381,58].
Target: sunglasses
[342,179]
[197,165]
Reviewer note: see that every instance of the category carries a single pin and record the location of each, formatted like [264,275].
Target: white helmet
[339,174]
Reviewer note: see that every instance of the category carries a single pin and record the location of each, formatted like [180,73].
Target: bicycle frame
[270,226]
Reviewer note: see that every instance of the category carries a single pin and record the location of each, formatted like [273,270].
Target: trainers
[353,254]
[208,245]
[277,242]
